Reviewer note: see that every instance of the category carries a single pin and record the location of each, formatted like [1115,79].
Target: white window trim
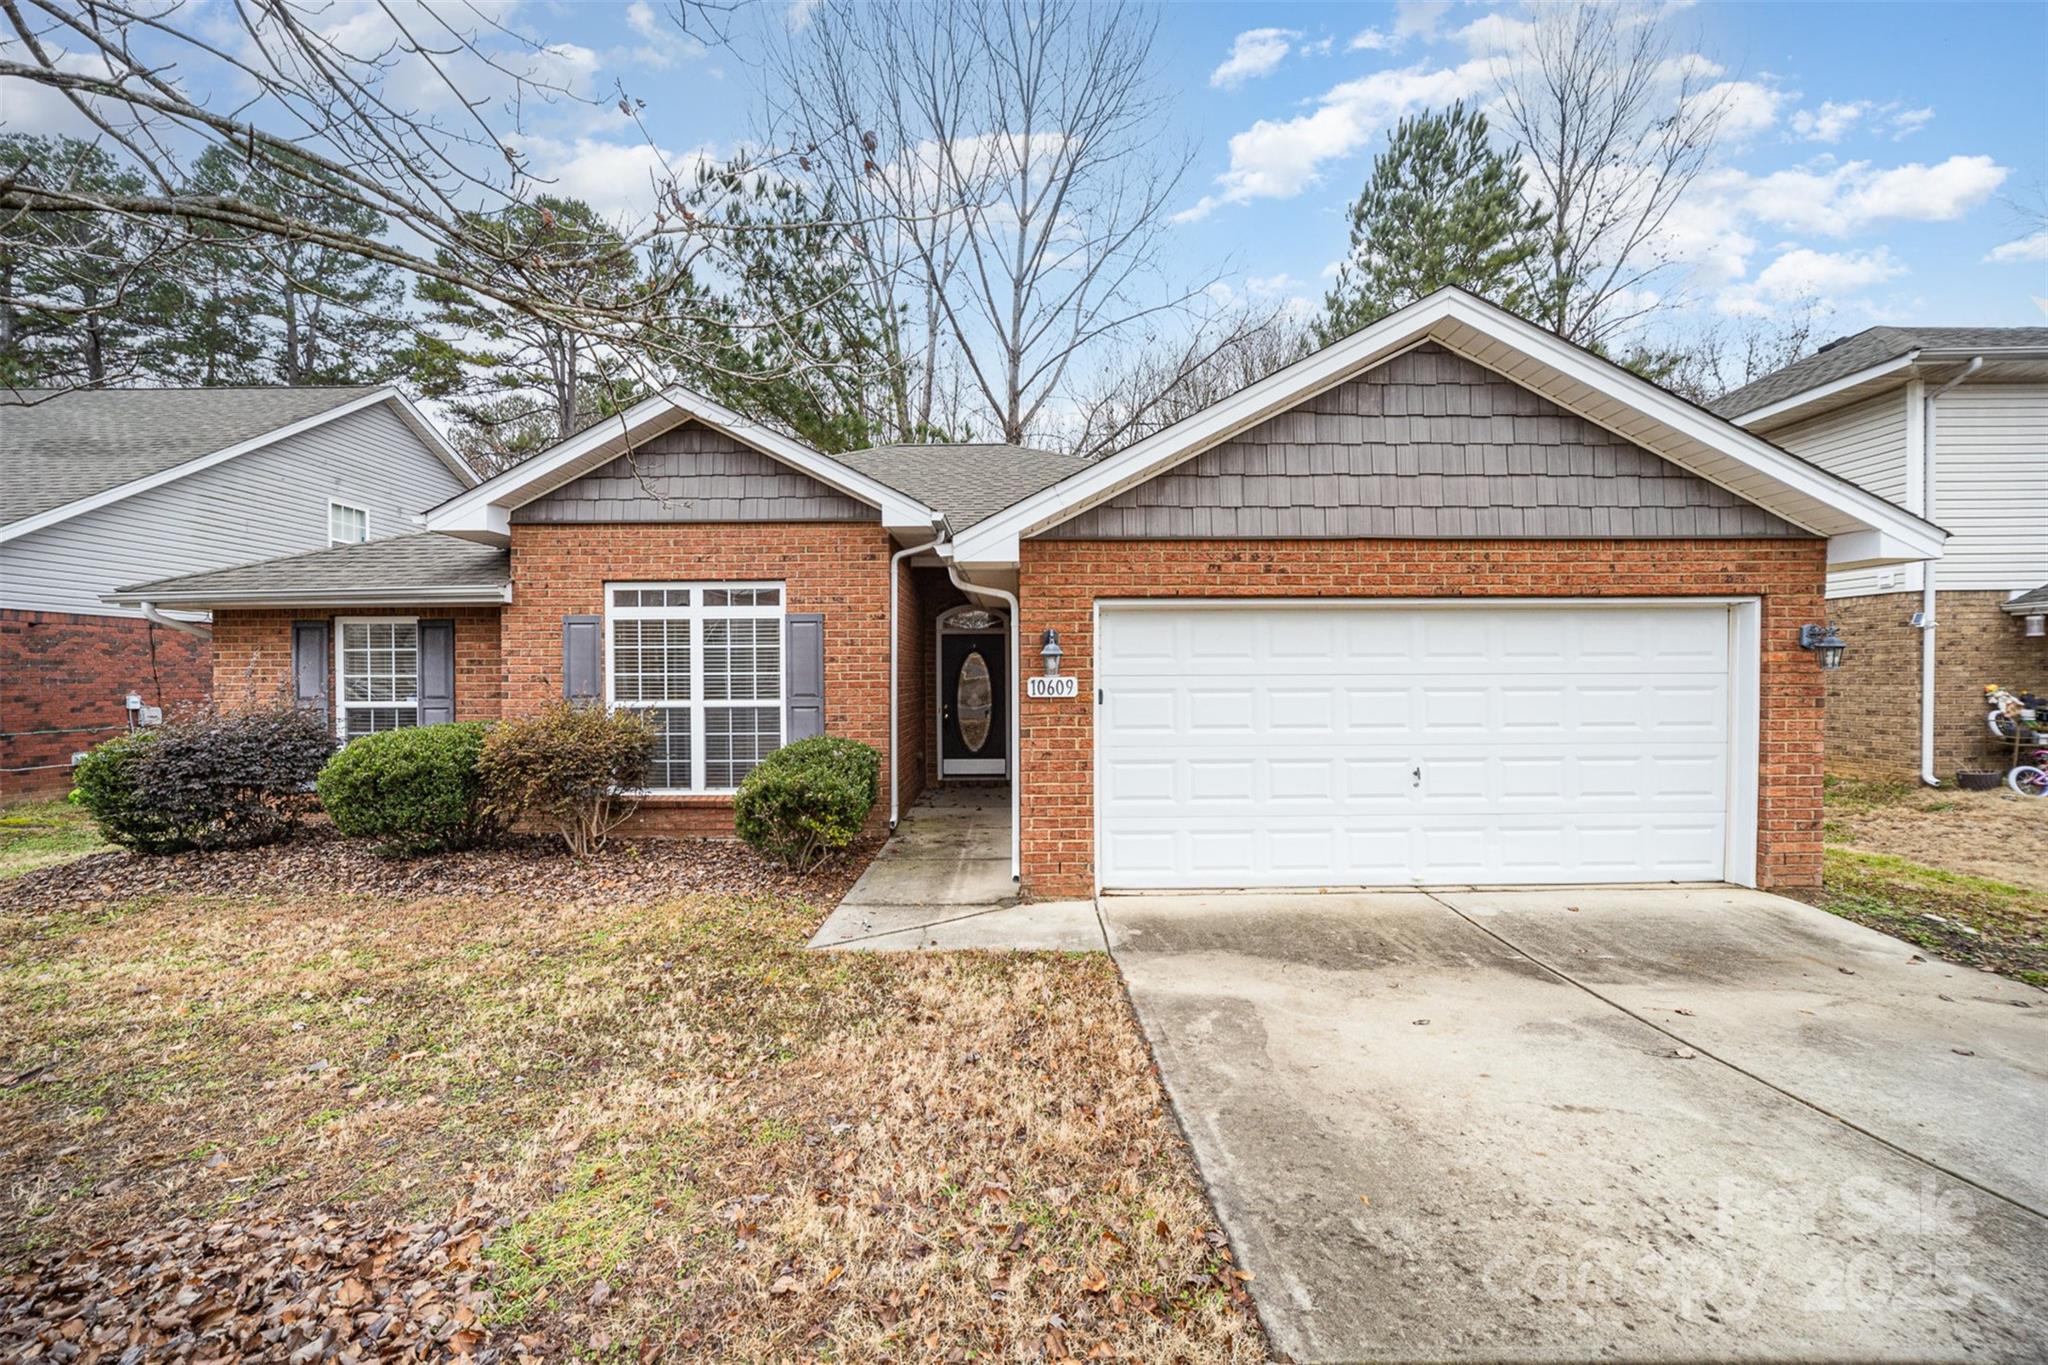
[696,614]
[334,505]
[342,704]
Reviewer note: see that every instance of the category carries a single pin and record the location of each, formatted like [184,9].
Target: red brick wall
[252,655]
[838,569]
[64,680]
[1874,697]
[1062,579]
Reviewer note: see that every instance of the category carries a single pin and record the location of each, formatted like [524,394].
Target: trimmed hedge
[415,789]
[223,782]
[807,800]
[567,769]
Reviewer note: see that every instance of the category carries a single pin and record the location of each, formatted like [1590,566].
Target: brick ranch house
[1950,423]
[1450,601]
[100,487]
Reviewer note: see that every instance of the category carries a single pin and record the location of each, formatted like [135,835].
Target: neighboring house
[1950,423]
[1451,601]
[100,487]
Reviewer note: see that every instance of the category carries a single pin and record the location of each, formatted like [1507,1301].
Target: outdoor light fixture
[1051,653]
[1823,641]
[2037,625]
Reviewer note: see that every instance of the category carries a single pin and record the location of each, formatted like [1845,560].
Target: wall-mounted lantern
[1051,653]
[1823,641]
[2036,625]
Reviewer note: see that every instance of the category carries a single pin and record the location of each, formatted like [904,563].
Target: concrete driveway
[1612,1123]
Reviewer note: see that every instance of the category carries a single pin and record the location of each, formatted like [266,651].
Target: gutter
[157,618]
[474,595]
[1928,573]
[1016,714]
[895,639]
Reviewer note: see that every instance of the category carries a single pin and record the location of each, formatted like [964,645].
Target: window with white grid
[705,662]
[377,675]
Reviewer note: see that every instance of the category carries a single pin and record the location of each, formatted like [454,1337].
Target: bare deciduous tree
[1725,355]
[1613,130]
[1158,385]
[1013,158]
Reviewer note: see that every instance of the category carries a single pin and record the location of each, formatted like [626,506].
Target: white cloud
[616,179]
[1278,159]
[800,12]
[1747,107]
[1803,273]
[2034,248]
[1418,18]
[1256,53]
[1907,122]
[1830,121]
[1851,197]
[1370,40]
[1269,285]
[1496,32]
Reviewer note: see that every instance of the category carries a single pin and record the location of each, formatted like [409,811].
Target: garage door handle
[1418,775]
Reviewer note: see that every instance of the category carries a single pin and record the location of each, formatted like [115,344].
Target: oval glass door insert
[973,702]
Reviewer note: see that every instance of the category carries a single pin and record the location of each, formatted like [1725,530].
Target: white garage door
[1338,745]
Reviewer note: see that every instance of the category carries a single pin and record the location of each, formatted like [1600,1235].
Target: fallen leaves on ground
[319,1287]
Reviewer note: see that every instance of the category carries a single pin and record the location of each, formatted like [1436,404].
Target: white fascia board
[1875,549]
[464,514]
[192,466]
[479,594]
[1432,318]
[1820,392]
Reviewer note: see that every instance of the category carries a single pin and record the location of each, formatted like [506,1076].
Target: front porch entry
[973,687]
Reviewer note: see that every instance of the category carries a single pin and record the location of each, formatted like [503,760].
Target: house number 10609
[1058,685]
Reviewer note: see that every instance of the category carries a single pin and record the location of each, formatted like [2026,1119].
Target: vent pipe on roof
[1927,574]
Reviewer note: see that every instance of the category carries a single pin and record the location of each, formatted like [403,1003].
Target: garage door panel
[1281,746]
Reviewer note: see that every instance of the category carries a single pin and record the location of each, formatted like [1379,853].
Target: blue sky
[1878,148]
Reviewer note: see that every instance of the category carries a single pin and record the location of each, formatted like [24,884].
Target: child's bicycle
[2009,721]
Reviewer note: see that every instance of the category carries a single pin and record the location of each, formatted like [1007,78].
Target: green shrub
[569,769]
[415,789]
[220,782]
[807,800]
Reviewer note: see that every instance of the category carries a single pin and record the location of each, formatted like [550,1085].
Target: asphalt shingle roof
[968,482]
[2027,603]
[425,560]
[59,447]
[1872,346]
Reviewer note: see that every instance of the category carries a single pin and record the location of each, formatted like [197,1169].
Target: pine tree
[1442,207]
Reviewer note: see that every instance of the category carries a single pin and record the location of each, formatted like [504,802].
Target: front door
[974,724]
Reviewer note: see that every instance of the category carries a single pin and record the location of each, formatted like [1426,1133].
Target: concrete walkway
[943,882]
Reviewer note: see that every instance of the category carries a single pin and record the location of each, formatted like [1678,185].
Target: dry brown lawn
[1991,834]
[693,1136]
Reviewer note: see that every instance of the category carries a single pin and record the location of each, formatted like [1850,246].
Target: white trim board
[485,512]
[105,497]
[1861,527]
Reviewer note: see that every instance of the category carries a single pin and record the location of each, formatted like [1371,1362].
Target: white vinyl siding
[376,675]
[1991,485]
[269,502]
[1310,744]
[705,662]
[1865,443]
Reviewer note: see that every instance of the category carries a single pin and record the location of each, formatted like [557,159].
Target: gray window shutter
[437,672]
[583,659]
[803,671]
[309,666]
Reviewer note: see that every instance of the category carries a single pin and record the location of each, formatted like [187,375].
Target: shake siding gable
[269,502]
[692,473]
[1426,444]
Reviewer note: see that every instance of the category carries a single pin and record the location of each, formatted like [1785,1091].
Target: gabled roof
[966,482]
[2029,603]
[484,512]
[401,569]
[1862,528]
[69,452]
[1869,355]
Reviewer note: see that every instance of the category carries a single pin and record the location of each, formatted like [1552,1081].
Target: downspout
[157,618]
[1927,574]
[1016,710]
[895,606]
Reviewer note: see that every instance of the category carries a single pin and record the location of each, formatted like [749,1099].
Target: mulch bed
[317,1287]
[320,862]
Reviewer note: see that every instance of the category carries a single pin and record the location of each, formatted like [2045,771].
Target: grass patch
[699,1137]
[1965,918]
[39,833]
